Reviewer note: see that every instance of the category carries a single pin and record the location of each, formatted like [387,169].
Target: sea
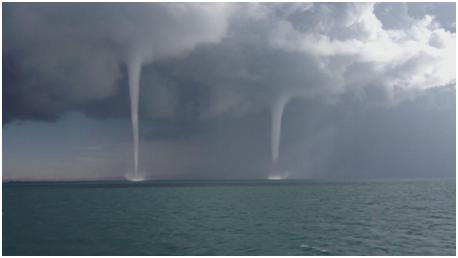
[255,217]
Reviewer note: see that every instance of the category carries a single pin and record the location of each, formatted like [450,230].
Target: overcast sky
[370,90]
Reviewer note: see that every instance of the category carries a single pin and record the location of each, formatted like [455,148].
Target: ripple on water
[314,248]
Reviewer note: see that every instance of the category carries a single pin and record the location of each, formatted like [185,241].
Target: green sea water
[395,217]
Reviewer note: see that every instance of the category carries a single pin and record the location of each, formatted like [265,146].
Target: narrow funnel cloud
[277,113]
[134,67]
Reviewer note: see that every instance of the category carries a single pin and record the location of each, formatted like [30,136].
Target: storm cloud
[73,53]
[219,70]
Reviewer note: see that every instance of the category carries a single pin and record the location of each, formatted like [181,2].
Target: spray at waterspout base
[276,178]
[276,173]
[134,178]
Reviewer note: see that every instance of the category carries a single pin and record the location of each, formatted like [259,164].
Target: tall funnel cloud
[278,107]
[134,67]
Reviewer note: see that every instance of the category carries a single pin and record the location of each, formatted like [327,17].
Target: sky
[229,91]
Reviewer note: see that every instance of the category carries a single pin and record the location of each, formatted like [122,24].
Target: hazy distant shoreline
[203,182]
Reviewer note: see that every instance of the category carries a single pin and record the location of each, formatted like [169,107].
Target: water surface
[404,217]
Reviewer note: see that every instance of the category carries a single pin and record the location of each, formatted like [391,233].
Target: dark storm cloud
[72,54]
[68,57]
